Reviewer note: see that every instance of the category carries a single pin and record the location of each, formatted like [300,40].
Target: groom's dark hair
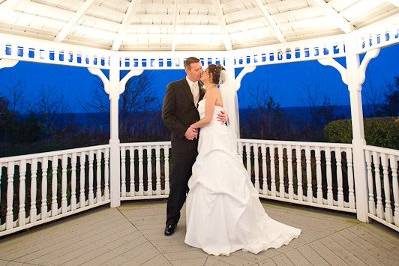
[189,61]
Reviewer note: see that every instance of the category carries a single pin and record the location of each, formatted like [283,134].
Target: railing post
[358,140]
[353,76]
[115,163]
[114,86]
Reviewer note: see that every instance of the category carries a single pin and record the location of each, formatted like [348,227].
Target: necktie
[195,92]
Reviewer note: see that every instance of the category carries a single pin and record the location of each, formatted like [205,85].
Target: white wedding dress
[223,210]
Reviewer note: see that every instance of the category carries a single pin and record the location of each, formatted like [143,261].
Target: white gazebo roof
[164,25]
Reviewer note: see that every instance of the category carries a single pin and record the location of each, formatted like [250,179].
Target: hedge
[381,132]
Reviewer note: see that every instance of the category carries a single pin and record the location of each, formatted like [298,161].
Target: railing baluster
[10,195]
[158,169]
[166,154]
[330,198]
[308,175]
[98,177]
[370,181]
[64,184]
[351,188]
[318,176]
[82,179]
[91,178]
[33,191]
[380,208]
[387,189]
[106,173]
[22,185]
[395,187]
[44,211]
[290,173]
[281,171]
[123,172]
[131,167]
[73,182]
[264,170]
[298,153]
[273,170]
[141,171]
[149,171]
[54,179]
[339,178]
[256,166]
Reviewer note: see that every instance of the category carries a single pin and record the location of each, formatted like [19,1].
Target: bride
[223,211]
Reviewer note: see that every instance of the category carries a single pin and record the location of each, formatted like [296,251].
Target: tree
[391,105]
[138,120]
[50,105]
[265,119]
[320,112]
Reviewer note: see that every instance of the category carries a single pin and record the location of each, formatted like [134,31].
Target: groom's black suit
[178,113]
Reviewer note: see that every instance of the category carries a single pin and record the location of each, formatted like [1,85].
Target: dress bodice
[216,111]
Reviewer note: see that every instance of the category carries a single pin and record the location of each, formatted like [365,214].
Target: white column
[114,78]
[354,76]
[114,87]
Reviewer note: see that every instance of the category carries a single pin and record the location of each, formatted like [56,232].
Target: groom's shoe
[169,229]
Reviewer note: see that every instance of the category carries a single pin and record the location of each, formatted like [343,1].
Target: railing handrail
[144,144]
[381,149]
[52,153]
[296,143]
[129,144]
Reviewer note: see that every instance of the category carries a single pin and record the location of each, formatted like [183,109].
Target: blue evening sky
[294,84]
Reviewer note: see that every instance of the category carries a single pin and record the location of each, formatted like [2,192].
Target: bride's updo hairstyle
[215,71]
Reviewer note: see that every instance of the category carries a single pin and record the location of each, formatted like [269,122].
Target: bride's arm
[209,108]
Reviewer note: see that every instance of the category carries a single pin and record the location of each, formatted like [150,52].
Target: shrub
[381,132]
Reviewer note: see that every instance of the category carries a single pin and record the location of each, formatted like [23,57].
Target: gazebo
[135,36]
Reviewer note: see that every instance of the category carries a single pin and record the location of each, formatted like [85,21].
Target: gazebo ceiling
[129,25]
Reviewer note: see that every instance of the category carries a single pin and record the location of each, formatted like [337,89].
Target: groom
[179,111]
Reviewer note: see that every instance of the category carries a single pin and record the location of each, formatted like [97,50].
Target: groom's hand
[222,117]
[191,133]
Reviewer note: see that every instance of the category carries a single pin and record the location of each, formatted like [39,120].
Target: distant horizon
[242,108]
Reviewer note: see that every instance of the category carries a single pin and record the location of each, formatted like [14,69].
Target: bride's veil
[228,89]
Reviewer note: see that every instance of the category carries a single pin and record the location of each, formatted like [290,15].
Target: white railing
[306,173]
[382,178]
[43,187]
[40,188]
[144,170]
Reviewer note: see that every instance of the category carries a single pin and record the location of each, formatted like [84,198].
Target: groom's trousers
[180,172]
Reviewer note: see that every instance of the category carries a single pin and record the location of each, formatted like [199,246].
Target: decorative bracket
[360,71]
[120,88]
[246,70]
[4,63]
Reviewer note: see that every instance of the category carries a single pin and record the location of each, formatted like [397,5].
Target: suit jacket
[179,112]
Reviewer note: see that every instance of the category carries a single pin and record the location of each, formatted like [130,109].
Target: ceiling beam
[10,4]
[174,26]
[222,20]
[122,28]
[394,2]
[342,22]
[277,32]
[72,22]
